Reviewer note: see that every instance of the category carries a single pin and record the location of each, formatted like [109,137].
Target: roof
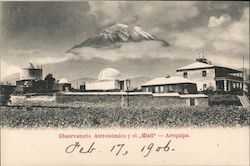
[180,95]
[228,69]
[106,93]
[169,80]
[173,94]
[109,74]
[200,65]
[193,96]
[63,81]
[196,65]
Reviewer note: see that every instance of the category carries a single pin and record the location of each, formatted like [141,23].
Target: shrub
[224,99]
[93,117]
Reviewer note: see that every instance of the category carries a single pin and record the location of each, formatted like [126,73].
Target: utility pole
[243,73]
[0,66]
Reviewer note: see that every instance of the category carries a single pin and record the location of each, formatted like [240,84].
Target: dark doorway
[192,102]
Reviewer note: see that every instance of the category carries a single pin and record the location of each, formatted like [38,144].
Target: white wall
[196,76]
[103,85]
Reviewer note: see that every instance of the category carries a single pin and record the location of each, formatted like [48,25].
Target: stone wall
[128,100]
[90,100]
[4,99]
[201,102]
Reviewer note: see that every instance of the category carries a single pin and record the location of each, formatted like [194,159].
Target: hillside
[11,79]
[77,82]
[118,33]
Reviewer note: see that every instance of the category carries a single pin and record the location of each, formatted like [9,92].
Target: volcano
[127,48]
[118,34]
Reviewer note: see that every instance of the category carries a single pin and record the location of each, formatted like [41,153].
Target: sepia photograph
[124,65]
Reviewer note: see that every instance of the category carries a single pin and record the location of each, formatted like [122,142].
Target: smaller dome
[109,74]
[63,81]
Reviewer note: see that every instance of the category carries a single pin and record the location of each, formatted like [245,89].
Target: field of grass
[96,117]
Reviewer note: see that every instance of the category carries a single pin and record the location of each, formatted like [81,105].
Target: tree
[50,81]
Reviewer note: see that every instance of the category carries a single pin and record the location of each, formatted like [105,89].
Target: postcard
[124,83]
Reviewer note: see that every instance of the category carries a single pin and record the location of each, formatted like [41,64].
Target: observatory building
[30,79]
[212,77]
[63,85]
[109,79]
[31,73]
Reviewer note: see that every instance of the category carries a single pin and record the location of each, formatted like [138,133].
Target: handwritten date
[120,149]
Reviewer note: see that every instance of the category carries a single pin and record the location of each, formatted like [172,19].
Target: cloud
[51,59]
[235,34]
[45,25]
[8,69]
[42,31]
[235,60]
[36,56]
[225,35]
[245,15]
[189,41]
[229,41]
[214,21]
[150,15]
[153,50]
[141,50]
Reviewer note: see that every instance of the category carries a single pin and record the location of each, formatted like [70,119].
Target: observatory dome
[63,81]
[109,74]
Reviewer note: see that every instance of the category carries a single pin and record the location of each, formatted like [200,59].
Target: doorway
[192,102]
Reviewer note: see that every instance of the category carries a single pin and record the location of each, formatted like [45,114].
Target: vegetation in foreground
[92,117]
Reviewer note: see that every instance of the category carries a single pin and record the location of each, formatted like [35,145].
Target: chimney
[203,60]
[31,66]
[167,75]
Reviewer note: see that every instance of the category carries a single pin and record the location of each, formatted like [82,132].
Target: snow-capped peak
[118,33]
[127,31]
[121,25]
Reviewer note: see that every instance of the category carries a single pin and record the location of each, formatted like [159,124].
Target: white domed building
[63,85]
[109,74]
[109,79]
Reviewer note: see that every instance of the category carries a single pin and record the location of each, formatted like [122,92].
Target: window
[67,89]
[166,89]
[26,84]
[204,73]
[161,88]
[156,89]
[204,86]
[171,88]
[146,89]
[234,85]
[185,74]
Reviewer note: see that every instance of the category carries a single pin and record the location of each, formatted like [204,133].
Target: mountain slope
[77,82]
[136,82]
[118,33]
[11,79]
[75,69]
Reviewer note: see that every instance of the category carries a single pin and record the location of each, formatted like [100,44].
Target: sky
[41,32]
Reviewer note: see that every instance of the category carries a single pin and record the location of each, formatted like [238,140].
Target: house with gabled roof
[212,77]
[170,84]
